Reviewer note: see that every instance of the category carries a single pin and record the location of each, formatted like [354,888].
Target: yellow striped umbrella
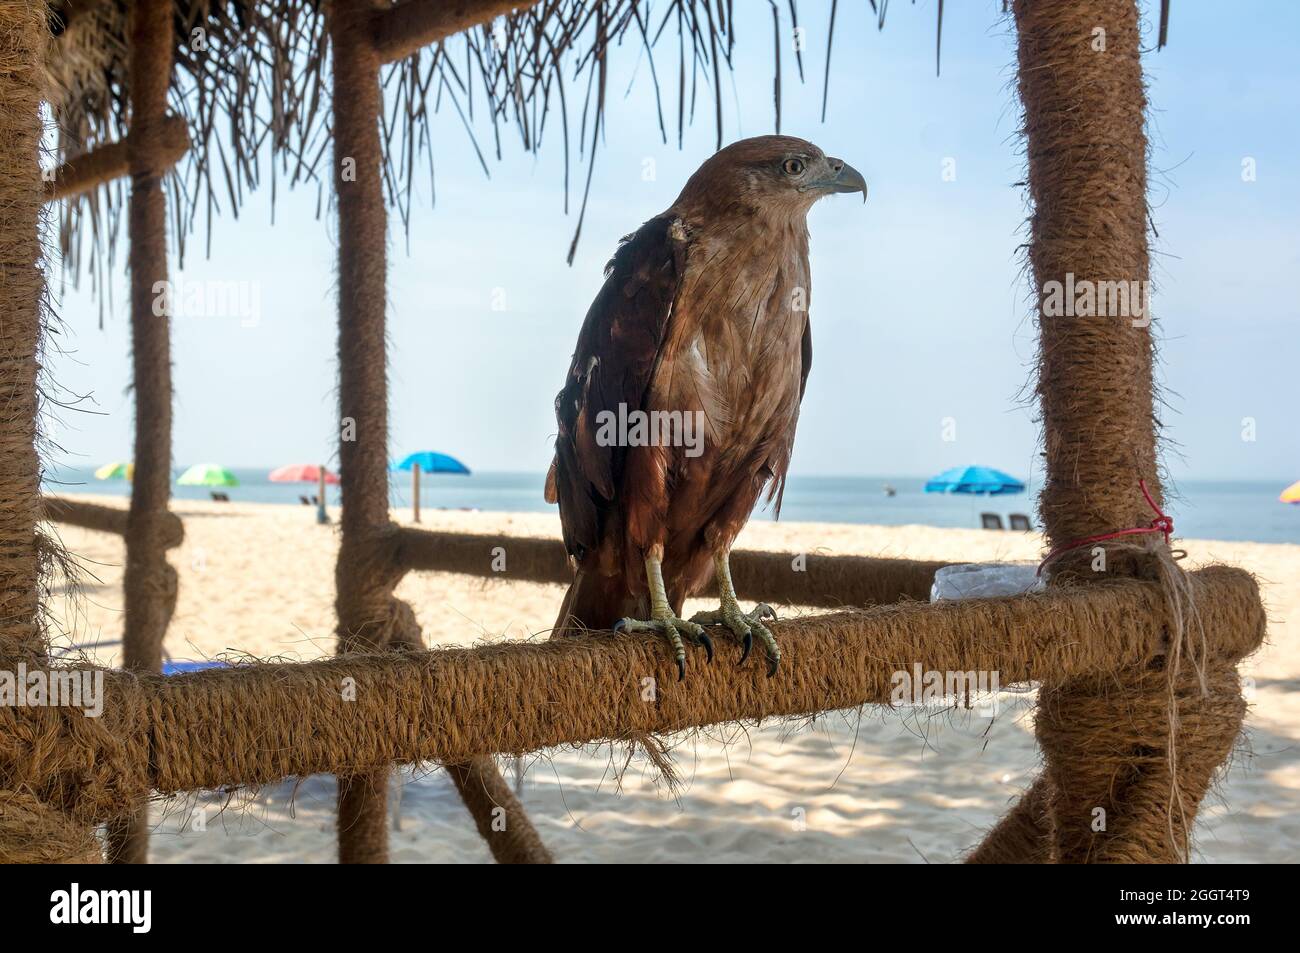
[1291,494]
[115,471]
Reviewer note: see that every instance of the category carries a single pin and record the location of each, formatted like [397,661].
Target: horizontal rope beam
[258,724]
[784,578]
[406,28]
[109,519]
[110,161]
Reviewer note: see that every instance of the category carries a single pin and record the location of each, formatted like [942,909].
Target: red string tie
[1162,524]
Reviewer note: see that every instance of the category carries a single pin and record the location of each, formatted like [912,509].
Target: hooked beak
[845,178]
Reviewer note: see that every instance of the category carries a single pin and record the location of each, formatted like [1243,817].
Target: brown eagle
[682,399]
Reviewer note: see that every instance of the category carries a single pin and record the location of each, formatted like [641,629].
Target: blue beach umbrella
[426,461]
[980,481]
[430,462]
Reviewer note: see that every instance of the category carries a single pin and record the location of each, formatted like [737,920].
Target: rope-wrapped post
[363,586]
[1107,797]
[22,289]
[366,572]
[1116,796]
[1080,82]
[1023,835]
[149,582]
[30,831]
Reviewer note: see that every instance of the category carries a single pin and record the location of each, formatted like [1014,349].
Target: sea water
[1202,509]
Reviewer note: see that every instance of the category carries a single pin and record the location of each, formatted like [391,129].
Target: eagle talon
[673,629]
[769,643]
[745,625]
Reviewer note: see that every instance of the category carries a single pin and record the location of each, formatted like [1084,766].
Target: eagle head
[781,174]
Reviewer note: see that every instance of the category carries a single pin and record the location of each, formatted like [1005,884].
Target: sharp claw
[681,670]
[769,612]
[708,646]
[748,644]
[772,665]
[620,625]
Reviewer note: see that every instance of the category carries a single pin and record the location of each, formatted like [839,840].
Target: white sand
[900,786]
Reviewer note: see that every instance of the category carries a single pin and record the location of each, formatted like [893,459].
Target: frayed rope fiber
[35,833]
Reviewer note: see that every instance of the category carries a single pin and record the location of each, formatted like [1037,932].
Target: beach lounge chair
[991,521]
[1019,521]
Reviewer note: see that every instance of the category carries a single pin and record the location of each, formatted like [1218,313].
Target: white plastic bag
[983,580]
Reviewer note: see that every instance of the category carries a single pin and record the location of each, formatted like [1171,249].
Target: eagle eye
[792,166]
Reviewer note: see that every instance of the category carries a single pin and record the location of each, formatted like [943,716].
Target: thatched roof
[251,82]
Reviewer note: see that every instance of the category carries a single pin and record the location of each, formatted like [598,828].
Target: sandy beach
[871,785]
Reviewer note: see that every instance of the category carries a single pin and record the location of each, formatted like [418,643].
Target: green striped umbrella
[207,474]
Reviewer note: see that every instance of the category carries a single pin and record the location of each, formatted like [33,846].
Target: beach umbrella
[303,473]
[426,461]
[1291,494]
[976,480]
[207,474]
[117,470]
[307,473]
[430,462]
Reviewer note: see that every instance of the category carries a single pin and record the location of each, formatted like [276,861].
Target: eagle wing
[614,361]
[778,464]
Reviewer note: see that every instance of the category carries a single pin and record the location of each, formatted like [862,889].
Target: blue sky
[919,306]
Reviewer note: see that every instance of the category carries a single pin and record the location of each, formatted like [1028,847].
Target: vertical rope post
[368,614]
[150,583]
[1080,79]
[1107,796]
[22,289]
[362,596]
[30,832]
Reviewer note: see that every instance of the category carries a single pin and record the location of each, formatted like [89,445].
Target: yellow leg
[746,625]
[662,619]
